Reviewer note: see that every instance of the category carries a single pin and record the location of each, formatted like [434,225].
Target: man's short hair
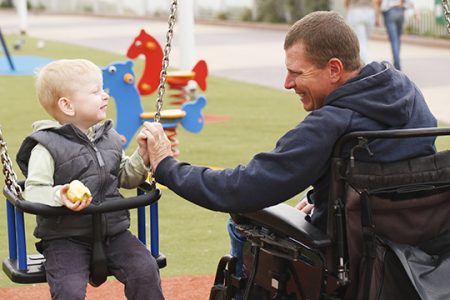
[325,35]
[58,79]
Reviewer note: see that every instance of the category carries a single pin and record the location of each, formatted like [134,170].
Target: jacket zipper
[100,164]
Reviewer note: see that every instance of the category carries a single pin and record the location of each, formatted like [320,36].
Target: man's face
[308,81]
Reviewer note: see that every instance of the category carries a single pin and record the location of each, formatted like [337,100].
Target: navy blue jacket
[379,98]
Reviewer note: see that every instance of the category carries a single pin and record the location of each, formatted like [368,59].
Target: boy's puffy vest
[95,163]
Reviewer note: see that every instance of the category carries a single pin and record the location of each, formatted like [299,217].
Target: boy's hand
[142,143]
[75,206]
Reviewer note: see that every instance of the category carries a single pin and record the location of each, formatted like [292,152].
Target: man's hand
[305,206]
[158,145]
[75,206]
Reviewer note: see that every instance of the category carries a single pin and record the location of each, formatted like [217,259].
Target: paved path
[253,55]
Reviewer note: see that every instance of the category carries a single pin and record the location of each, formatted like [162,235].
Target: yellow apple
[78,191]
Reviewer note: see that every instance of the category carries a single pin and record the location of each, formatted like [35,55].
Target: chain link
[8,171]
[165,61]
[446,7]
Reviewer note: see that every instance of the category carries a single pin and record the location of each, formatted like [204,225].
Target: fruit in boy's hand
[78,191]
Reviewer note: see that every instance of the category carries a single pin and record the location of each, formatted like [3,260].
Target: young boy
[78,145]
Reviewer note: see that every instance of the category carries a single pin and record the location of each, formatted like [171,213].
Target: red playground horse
[147,45]
[148,83]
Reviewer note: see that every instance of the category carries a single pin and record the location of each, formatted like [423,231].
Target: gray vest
[95,163]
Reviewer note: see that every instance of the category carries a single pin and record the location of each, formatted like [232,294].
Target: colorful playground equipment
[147,45]
[118,81]
[184,83]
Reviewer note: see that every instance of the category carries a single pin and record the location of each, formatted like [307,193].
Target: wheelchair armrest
[288,221]
[113,205]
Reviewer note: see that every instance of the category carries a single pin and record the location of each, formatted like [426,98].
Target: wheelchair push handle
[388,134]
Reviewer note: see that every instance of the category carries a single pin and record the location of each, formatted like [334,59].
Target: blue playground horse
[118,81]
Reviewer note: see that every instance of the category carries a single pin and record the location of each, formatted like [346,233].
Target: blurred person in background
[393,12]
[361,17]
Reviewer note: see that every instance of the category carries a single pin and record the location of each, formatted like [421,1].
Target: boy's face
[89,100]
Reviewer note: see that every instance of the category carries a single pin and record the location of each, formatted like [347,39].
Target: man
[324,69]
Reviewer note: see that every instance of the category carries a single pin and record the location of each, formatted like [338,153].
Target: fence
[428,23]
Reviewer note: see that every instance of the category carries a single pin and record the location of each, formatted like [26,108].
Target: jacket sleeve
[299,159]
[39,183]
[132,170]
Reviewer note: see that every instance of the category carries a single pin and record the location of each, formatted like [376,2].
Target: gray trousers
[67,267]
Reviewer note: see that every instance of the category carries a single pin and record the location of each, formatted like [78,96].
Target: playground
[192,239]
[231,134]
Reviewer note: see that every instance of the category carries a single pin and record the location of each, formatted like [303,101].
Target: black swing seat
[379,214]
[35,272]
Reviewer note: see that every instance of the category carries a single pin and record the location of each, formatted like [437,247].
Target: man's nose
[289,82]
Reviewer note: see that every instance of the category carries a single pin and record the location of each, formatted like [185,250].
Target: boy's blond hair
[58,79]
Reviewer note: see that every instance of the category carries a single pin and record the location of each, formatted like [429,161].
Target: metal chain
[163,74]
[8,171]
[446,7]
[165,61]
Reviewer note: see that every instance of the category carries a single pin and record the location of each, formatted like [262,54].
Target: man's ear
[336,69]
[66,106]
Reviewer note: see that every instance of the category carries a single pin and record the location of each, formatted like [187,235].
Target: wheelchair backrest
[406,202]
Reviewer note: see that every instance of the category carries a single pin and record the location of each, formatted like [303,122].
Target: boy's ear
[66,106]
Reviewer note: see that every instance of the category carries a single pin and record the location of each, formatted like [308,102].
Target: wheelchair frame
[282,232]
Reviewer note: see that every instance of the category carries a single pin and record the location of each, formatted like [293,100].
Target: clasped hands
[153,143]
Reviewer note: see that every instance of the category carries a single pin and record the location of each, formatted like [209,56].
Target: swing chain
[8,171]
[446,7]
[165,61]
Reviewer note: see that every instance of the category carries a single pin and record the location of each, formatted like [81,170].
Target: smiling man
[324,69]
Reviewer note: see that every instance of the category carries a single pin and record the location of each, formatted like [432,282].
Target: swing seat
[23,268]
[35,272]
[387,223]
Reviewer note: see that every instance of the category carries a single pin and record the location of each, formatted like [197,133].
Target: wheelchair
[388,234]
